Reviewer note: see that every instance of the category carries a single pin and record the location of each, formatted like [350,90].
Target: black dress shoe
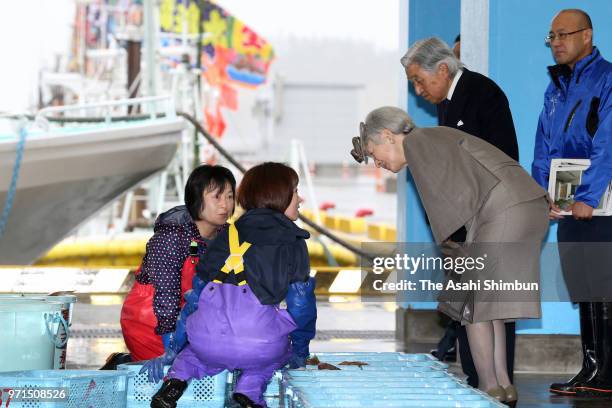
[116,359]
[450,355]
[244,401]
[169,394]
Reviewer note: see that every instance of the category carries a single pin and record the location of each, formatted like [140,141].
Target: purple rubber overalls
[232,330]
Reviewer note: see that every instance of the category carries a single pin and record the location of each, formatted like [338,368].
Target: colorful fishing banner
[237,51]
[232,53]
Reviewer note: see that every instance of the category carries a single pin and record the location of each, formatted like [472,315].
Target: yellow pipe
[101,253]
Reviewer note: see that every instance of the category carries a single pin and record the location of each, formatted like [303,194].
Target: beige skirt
[509,240]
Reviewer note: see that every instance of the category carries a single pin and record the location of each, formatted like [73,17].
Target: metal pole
[150,23]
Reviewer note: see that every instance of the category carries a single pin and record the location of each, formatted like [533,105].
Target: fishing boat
[69,168]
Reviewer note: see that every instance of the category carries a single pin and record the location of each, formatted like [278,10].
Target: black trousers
[585,249]
[467,363]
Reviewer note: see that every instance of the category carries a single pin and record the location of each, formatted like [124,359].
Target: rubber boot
[589,352]
[169,394]
[601,384]
[244,401]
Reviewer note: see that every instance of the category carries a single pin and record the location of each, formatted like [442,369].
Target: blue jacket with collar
[576,122]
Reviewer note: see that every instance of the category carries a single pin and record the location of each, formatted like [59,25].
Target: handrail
[41,115]
[121,118]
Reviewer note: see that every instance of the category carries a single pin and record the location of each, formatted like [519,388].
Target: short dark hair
[587,18]
[267,185]
[205,178]
[581,13]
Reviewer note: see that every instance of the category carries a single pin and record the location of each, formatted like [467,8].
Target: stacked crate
[388,380]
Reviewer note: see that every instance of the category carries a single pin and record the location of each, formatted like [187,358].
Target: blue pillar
[426,18]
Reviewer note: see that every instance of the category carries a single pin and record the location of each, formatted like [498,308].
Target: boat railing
[152,107]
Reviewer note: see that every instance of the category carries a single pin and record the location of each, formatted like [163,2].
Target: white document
[565,177]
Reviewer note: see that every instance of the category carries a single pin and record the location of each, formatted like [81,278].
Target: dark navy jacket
[163,262]
[576,122]
[277,257]
[480,107]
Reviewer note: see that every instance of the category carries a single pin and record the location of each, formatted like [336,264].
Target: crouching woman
[248,270]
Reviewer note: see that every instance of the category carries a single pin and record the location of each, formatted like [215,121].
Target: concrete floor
[344,324]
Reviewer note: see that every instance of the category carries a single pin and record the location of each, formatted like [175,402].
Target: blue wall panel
[427,18]
[518,58]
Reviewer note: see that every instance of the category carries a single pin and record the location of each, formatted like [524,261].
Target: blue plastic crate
[459,397]
[371,374]
[272,402]
[92,389]
[382,360]
[394,367]
[272,389]
[373,382]
[382,397]
[383,389]
[395,404]
[378,356]
[208,392]
[389,380]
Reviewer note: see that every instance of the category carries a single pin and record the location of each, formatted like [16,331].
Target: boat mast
[151,24]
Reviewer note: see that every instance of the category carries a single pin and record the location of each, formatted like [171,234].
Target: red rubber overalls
[138,321]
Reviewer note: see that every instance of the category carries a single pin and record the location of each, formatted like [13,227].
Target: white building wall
[322,89]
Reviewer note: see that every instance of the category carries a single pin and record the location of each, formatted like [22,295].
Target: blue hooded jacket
[576,122]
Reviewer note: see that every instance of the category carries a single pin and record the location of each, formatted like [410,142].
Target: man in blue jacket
[576,122]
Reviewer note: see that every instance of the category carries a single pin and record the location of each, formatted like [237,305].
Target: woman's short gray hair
[429,54]
[386,117]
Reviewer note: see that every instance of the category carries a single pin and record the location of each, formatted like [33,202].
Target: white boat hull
[66,179]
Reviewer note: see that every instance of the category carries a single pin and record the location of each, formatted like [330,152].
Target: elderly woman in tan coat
[465,181]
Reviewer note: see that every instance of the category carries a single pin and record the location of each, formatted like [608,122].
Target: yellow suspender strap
[234,261]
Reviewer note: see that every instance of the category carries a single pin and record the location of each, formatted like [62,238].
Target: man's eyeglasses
[560,36]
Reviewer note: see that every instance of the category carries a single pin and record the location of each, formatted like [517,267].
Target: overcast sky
[376,21]
[32,31]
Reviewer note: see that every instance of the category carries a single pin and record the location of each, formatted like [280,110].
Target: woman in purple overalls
[248,270]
